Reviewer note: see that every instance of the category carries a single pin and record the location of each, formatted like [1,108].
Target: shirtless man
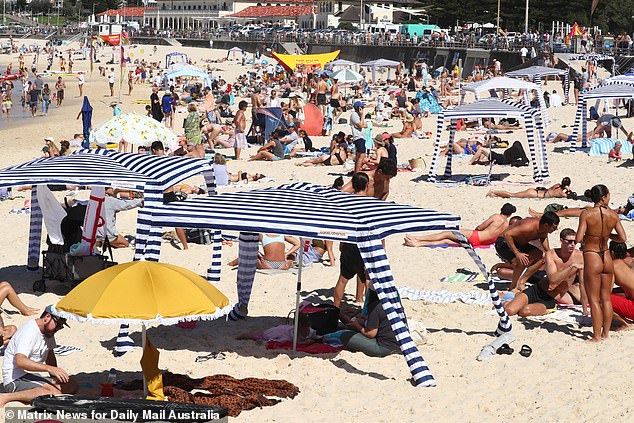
[335,97]
[256,103]
[240,122]
[564,273]
[513,246]
[379,185]
[624,277]
[322,89]
[484,234]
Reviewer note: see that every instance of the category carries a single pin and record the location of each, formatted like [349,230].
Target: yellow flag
[153,377]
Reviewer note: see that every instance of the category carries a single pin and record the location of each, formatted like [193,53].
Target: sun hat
[409,118]
[49,139]
[379,140]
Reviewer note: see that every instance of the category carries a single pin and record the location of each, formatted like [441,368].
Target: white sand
[566,378]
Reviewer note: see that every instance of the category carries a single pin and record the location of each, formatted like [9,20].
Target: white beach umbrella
[346,76]
[134,129]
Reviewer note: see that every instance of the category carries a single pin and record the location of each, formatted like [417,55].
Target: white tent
[378,64]
[505,84]
[537,73]
[491,108]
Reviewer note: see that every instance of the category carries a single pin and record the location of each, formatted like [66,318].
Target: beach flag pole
[304,248]
[143,342]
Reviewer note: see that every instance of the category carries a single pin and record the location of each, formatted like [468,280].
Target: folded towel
[445,297]
[65,350]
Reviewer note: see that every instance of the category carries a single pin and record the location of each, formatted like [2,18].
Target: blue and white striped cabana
[505,84]
[146,173]
[537,73]
[492,108]
[612,91]
[312,211]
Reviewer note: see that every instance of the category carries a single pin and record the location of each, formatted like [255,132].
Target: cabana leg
[35,233]
[378,268]
[247,261]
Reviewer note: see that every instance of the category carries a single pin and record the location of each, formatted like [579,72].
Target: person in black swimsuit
[596,226]
[337,157]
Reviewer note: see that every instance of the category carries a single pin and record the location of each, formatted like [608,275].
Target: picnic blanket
[445,297]
[316,348]
[602,146]
[567,314]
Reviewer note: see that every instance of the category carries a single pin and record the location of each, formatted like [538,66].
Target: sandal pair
[505,349]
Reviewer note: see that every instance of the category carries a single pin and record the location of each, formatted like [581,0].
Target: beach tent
[379,64]
[491,108]
[174,58]
[190,71]
[147,173]
[505,84]
[620,79]
[341,63]
[311,211]
[313,120]
[613,91]
[291,61]
[271,118]
[537,73]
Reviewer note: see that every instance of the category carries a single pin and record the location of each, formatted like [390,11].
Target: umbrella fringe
[220,312]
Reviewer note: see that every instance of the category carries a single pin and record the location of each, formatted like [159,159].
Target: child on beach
[615,153]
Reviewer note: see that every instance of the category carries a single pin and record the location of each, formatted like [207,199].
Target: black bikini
[328,161]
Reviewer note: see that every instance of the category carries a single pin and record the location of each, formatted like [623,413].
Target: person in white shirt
[273,100]
[80,83]
[524,53]
[555,99]
[31,350]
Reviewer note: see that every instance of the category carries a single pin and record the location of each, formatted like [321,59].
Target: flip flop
[505,350]
[526,351]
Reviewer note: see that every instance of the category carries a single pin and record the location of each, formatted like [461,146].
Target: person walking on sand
[60,86]
[111,82]
[80,83]
[596,227]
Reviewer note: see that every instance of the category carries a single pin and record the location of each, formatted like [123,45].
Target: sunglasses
[568,241]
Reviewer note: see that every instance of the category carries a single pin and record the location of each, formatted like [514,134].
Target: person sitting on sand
[380,151]
[315,251]
[275,255]
[615,153]
[284,333]
[563,282]
[31,350]
[490,124]
[373,335]
[623,305]
[561,190]
[408,128]
[271,151]
[484,234]
[514,245]
[555,137]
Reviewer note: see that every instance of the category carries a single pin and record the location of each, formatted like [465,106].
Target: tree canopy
[611,15]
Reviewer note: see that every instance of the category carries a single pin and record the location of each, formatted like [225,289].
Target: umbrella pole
[297,293]
[143,342]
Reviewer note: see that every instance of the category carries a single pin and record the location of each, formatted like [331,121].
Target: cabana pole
[298,291]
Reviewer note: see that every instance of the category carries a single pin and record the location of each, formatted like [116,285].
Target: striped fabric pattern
[537,73]
[300,209]
[35,233]
[505,322]
[602,146]
[491,108]
[247,260]
[124,342]
[614,90]
[213,272]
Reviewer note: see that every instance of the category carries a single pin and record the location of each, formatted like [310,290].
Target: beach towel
[124,343]
[62,350]
[464,277]
[567,314]
[310,349]
[487,246]
[445,297]
[602,146]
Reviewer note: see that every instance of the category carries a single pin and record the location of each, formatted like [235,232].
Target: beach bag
[81,267]
[323,318]
[199,236]
[478,180]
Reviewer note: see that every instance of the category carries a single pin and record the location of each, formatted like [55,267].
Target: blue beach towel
[602,146]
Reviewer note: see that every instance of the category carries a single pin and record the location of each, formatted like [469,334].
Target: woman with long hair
[561,190]
[596,227]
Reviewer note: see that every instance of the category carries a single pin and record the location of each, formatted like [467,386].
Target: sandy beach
[566,379]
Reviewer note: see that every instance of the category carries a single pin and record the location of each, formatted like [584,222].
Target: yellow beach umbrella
[148,293]
[144,292]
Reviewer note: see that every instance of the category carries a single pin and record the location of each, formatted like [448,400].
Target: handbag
[323,318]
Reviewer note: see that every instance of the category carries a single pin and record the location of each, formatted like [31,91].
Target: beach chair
[481,180]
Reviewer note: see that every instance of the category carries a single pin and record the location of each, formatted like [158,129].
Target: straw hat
[379,140]
[409,118]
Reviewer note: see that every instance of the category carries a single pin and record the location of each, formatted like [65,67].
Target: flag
[595,3]
[113,39]
[153,376]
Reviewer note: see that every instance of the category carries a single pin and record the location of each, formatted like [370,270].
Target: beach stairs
[292,48]
[173,42]
[75,38]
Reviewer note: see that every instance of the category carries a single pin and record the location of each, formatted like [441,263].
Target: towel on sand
[311,349]
[445,297]
[567,314]
[602,146]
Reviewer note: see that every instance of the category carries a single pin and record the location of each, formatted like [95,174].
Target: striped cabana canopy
[312,211]
[104,168]
[610,91]
[537,73]
[505,84]
[492,108]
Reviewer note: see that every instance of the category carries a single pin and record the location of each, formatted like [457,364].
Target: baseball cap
[358,104]
[291,125]
[60,320]
[50,139]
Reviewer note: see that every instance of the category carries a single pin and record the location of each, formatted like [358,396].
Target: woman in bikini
[275,255]
[596,226]
[561,190]
[337,157]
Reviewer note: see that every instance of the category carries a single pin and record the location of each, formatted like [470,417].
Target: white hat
[50,139]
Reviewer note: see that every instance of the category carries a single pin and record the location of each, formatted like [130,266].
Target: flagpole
[121,59]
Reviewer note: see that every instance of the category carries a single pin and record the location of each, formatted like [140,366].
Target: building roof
[275,11]
[133,12]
